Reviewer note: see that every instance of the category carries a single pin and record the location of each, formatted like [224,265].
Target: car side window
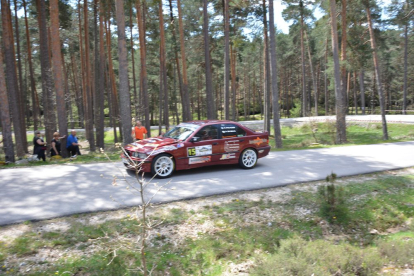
[208,133]
[231,130]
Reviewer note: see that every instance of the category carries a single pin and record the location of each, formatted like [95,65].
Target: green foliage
[398,248]
[25,245]
[295,112]
[297,256]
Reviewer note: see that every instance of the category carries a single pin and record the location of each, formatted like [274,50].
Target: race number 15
[191,151]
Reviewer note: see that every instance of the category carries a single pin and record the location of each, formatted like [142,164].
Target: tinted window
[208,133]
[230,130]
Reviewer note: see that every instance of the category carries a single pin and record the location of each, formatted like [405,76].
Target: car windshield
[181,132]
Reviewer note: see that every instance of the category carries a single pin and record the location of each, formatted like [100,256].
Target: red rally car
[196,144]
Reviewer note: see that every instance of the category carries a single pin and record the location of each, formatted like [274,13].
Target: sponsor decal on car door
[233,141]
[206,151]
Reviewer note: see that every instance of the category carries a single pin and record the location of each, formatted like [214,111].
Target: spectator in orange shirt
[139,131]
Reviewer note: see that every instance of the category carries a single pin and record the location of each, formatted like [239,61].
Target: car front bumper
[142,165]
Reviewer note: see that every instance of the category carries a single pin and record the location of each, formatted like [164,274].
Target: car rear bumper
[263,151]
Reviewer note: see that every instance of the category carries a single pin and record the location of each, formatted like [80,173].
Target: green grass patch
[322,135]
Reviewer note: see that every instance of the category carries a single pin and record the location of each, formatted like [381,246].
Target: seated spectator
[39,146]
[55,143]
[72,144]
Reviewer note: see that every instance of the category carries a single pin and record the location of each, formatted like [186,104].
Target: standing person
[72,144]
[139,132]
[55,143]
[39,146]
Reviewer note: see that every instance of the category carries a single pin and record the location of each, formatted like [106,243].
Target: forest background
[103,63]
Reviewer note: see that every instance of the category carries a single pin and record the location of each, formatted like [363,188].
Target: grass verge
[322,135]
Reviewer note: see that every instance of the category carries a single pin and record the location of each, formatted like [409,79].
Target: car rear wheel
[163,166]
[248,158]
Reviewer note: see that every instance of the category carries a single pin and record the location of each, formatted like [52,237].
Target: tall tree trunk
[348,88]
[35,100]
[163,65]
[378,74]
[160,100]
[226,60]
[124,96]
[315,88]
[134,80]
[68,95]
[211,113]
[176,119]
[404,107]
[11,78]
[340,110]
[58,73]
[343,54]
[249,94]
[99,75]
[275,90]
[177,63]
[88,82]
[82,68]
[5,113]
[267,79]
[46,71]
[186,98]
[22,94]
[78,93]
[302,54]
[362,90]
[355,94]
[233,82]
[142,48]
[373,91]
[326,80]
[113,96]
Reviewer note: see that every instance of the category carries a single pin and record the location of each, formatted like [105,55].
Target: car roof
[205,122]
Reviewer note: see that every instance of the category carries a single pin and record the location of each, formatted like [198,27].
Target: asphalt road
[45,192]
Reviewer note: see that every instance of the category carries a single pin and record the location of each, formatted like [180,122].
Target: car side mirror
[195,139]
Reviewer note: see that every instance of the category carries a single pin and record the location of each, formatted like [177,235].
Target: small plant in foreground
[144,222]
[332,201]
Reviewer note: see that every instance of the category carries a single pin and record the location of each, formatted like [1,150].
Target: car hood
[151,144]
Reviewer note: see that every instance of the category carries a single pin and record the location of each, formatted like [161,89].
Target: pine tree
[124,96]
[275,90]
[58,73]
[5,115]
[340,101]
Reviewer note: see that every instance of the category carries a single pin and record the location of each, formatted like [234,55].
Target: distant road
[394,119]
[45,192]
[257,124]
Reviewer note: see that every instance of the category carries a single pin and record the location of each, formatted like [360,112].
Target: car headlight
[139,155]
[142,155]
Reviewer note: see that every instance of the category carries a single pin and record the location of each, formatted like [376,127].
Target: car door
[206,151]
[233,141]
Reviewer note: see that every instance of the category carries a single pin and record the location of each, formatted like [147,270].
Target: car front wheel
[163,166]
[248,158]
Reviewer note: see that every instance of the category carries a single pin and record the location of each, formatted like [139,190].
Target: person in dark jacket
[39,146]
[55,144]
